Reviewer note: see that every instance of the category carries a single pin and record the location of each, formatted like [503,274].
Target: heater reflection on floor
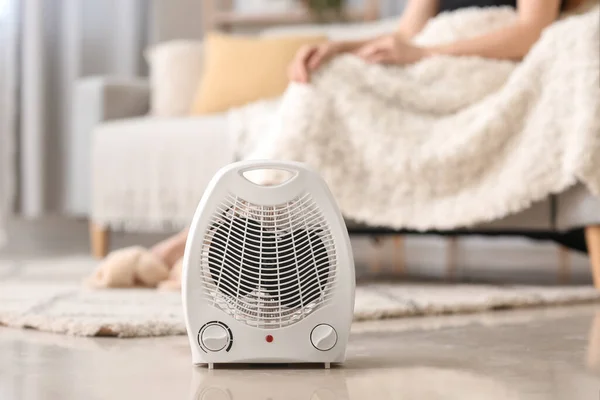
[272,383]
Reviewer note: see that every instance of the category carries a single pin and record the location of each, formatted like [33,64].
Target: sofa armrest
[97,100]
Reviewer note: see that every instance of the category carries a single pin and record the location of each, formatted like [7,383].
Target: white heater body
[268,273]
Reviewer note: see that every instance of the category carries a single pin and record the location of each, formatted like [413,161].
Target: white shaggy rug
[47,295]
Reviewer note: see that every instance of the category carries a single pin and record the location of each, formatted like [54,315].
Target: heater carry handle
[294,168]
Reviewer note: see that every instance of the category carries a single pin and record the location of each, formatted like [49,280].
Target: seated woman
[512,42]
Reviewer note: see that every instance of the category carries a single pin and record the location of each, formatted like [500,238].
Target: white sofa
[128,145]
[148,173]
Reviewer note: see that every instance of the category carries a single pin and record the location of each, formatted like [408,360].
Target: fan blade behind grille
[301,276]
[269,266]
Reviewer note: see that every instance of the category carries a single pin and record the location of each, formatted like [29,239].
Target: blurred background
[49,47]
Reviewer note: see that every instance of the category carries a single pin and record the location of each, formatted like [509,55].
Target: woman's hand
[311,57]
[390,49]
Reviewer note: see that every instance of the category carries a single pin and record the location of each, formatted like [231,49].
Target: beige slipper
[129,267]
[174,281]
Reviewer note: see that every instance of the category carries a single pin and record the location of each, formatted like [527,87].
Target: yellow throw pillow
[239,70]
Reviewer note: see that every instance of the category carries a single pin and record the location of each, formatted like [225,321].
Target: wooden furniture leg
[564,265]
[375,266]
[99,240]
[399,256]
[593,350]
[452,258]
[592,238]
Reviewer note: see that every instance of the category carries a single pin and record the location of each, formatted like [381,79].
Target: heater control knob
[323,337]
[215,337]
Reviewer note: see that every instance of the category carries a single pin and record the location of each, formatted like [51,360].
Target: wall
[175,19]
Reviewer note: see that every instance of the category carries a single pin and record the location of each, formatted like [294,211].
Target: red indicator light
[269,338]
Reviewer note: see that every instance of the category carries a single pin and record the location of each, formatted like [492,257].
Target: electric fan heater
[268,272]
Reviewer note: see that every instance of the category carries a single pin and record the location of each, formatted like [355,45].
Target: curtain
[61,42]
[8,99]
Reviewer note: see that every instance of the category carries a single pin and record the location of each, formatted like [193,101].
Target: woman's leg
[171,249]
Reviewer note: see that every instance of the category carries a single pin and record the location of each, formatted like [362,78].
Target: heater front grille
[268,266]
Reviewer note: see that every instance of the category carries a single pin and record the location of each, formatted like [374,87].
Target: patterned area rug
[47,295]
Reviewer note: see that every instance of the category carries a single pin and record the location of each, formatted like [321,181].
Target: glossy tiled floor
[533,354]
[527,354]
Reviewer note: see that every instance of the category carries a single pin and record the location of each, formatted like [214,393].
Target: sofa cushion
[175,69]
[239,70]
[150,173]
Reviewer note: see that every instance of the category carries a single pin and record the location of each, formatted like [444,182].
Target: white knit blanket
[450,141]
